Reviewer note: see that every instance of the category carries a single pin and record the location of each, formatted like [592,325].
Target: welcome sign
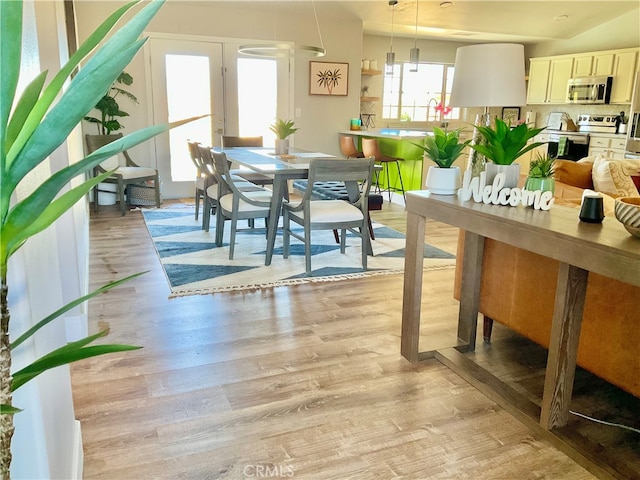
[498,194]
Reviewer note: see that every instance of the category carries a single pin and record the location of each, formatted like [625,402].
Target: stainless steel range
[597,123]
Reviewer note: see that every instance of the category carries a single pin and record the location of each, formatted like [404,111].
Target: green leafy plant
[541,166]
[32,126]
[503,144]
[110,109]
[283,128]
[443,147]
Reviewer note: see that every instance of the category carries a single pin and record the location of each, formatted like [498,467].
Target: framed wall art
[511,115]
[327,78]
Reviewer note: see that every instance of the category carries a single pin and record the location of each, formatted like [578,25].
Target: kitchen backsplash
[542,112]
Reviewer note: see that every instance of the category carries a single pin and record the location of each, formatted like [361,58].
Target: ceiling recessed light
[560,18]
[446,4]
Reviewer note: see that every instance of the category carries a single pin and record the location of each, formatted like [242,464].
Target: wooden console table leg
[563,345]
[487,328]
[470,289]
[412,290]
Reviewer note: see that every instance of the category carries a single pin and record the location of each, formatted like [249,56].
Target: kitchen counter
[392,133]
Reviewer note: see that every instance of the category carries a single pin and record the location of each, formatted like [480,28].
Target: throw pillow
[611,177]
[573,173]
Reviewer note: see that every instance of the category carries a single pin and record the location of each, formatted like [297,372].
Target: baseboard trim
[78,453]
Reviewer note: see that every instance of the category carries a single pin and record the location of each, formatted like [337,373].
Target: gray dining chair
[356,173]
[214,190]
[234,203]
[202,180]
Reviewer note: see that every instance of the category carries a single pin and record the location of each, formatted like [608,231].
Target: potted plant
[282,129]
[502,145]
[541,174]
[33,125]
[443,148]
[109,107]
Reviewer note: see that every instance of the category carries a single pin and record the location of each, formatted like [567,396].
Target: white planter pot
[282,146]
[512,173]
[443,181]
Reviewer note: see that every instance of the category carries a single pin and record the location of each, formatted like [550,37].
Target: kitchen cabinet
[593,64]
[607,146]
[548,80]
[538,81]
[623,77]
[548,75]
[560,73]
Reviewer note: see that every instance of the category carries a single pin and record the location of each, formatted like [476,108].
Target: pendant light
[391,56]
[271,50]
[414,53]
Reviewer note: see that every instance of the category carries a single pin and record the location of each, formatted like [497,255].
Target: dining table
[282,168]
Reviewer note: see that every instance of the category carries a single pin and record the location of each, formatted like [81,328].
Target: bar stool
[348,148]
[371,148]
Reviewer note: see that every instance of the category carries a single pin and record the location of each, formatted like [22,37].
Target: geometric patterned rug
[194,265]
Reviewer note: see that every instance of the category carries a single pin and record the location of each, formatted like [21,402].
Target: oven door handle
[577,139]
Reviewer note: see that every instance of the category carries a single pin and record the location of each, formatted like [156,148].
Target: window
[257,97]
[421,96]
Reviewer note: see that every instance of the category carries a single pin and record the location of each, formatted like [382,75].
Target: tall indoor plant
[32,126]
[109,107]
[502,145]
[443,148]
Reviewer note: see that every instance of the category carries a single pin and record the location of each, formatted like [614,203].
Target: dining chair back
[202,178]
[348,147]
[235,141]
[234,202]
[332,214]
[128,174]
[253,177]
[371,148]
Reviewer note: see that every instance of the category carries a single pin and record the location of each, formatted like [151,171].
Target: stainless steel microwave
[589,89]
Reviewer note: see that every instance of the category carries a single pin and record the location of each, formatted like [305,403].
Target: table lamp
[488,75]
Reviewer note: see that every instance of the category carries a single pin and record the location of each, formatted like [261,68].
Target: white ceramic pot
[443,181]
[282,146]
[512,173]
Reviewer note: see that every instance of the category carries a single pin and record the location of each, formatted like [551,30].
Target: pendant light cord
[315,15]
[393,11]
[415,38]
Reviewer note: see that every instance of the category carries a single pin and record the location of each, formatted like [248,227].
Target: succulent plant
[283,128]
[541,166]
[443,147]
[503,144]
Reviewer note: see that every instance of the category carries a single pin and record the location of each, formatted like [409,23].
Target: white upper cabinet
[586,65]
[623,77]
[548,75]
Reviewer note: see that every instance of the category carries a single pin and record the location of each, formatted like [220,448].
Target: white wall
[49,270]
[321,116]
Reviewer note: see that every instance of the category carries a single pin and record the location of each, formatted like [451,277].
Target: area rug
[194,265]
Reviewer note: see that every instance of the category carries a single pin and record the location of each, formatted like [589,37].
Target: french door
[186,81]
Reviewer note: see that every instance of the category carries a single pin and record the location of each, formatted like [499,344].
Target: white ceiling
[521,21]
[481,21]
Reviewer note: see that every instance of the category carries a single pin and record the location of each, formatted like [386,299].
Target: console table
[607,249]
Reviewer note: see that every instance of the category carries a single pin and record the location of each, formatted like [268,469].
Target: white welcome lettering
[495,194]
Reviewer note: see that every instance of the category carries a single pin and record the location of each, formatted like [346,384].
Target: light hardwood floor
[300,382]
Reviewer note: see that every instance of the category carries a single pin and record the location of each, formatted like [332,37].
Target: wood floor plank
[305,380]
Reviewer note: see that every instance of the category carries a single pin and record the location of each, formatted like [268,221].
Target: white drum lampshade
[489,75]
